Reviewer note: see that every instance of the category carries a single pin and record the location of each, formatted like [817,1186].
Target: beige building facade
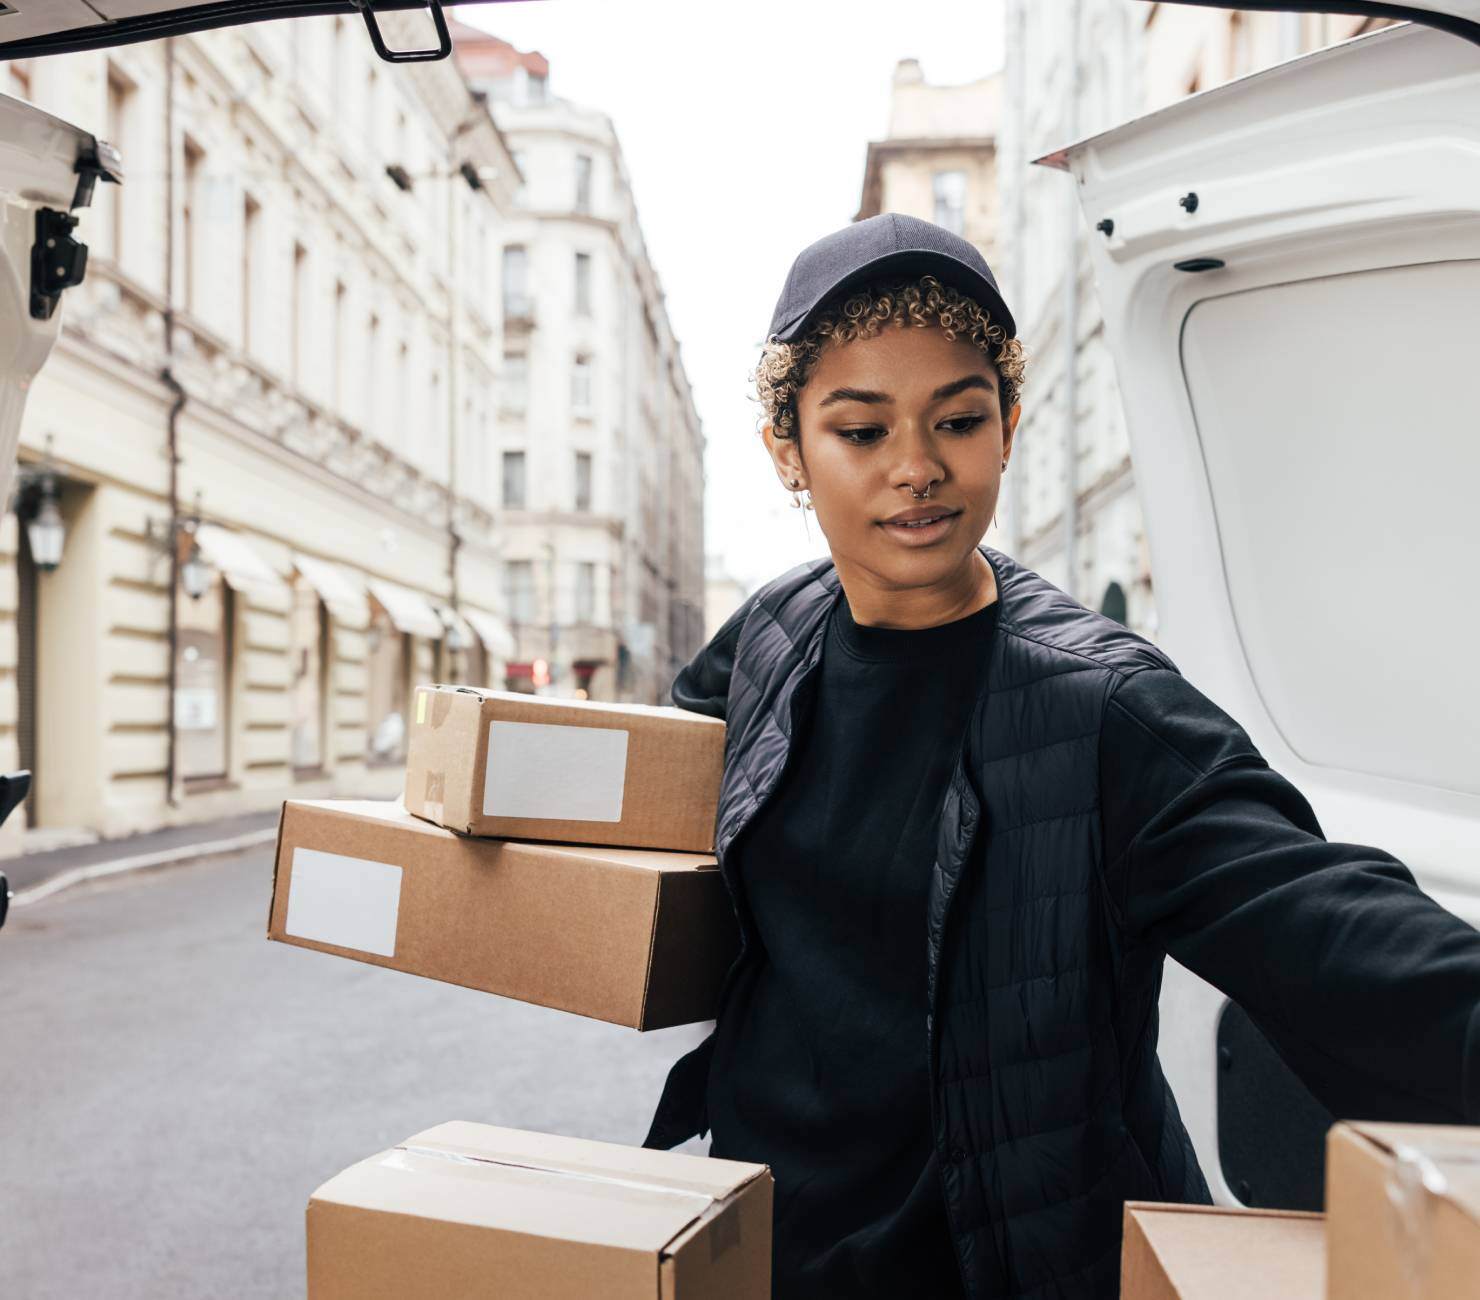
[269,421]
[599,446]
[938,160]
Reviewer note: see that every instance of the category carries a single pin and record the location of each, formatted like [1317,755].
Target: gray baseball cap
[886,245]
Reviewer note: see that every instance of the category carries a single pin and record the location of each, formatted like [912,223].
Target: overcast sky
[744,124]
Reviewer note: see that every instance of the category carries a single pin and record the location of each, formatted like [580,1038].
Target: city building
[259,488]
[599,447]
[1070,508]
[938,160]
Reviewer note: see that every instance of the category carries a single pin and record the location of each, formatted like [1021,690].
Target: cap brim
[943,266]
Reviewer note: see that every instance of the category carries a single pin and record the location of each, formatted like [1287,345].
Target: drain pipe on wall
[1071,319]
[167,377]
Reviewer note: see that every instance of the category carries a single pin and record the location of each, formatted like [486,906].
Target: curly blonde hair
[784,368]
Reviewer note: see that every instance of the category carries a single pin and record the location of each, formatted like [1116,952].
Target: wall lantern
[36,506]
[197,573]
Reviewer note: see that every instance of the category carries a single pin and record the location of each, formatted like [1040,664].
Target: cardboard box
[1206,1252]
[528,767]
[1403,1212]
[637,937]
[465,1210]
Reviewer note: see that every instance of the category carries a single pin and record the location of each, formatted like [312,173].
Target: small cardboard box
[1206,1252]
[528,767]
[637,937]
[1403,1212]
[466,1210]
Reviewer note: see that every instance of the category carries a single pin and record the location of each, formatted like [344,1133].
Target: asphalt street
[173,1086]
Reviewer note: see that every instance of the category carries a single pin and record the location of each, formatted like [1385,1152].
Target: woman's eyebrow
[854,395]
[961,385]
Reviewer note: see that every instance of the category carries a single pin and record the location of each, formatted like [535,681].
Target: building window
[202,682]
[585,592]
[583,284]
[583,182]
[336,345]
[516,281]
[195,162]
[298,306]
[580,384]
[513,496]
[116,124]
[309,632]
[583,480]
[251,228]
[949,190]
[519,590]
[389,689]
[374,420]
[516,381]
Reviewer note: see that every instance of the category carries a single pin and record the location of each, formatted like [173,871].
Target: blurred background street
[175,1086]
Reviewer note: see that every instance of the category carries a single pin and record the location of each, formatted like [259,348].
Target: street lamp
[196,573]
[178,534]
[36,505]
[46,530]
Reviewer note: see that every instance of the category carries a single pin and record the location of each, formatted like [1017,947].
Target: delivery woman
[964,819]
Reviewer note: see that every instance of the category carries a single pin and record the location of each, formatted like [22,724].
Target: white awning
[236,560]
[409,610]
[342,590]
[492,631]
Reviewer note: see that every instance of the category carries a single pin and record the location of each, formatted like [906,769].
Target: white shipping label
[564,773]
[349,902]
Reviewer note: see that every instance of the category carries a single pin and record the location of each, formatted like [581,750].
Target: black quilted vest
[1050,1108]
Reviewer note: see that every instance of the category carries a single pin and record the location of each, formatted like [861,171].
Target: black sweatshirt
[820,1065]
[1364,985]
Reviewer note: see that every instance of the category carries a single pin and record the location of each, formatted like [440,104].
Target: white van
[1289,267]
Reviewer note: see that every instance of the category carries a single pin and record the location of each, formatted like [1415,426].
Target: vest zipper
[943,1154]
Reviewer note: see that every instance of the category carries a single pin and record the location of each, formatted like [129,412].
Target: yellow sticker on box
[421,707]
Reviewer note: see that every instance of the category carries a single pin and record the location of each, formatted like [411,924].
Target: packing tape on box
[460,1158]
[1417,1175]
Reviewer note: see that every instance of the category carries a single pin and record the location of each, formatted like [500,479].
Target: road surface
[173,1086]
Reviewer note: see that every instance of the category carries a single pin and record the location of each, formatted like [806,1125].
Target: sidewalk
[35,875]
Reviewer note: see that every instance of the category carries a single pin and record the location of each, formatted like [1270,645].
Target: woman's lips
[920,534]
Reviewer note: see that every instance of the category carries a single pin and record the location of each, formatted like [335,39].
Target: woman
[964,820]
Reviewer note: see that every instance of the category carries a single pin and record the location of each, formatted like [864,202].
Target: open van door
[1289,267]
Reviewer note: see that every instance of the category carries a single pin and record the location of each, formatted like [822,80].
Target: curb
[140,861]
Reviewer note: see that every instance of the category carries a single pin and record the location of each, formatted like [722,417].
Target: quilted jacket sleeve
[703,684]
[1368,988]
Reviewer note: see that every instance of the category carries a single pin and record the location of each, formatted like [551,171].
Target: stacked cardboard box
[1402,1222]
[560,853]
[466,1210]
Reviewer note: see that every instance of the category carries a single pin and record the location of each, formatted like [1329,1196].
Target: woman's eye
[863,436]
[963,423]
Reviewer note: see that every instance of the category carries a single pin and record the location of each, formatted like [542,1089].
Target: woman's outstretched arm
[1368,988]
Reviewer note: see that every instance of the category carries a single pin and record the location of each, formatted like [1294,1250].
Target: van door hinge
[58,262]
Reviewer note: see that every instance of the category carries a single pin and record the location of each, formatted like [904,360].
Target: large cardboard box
[633,936]
[468,1210]
[1403,1212]
[1206,1252]
[529,767]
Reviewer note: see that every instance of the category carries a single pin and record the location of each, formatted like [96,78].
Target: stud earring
[795,500]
